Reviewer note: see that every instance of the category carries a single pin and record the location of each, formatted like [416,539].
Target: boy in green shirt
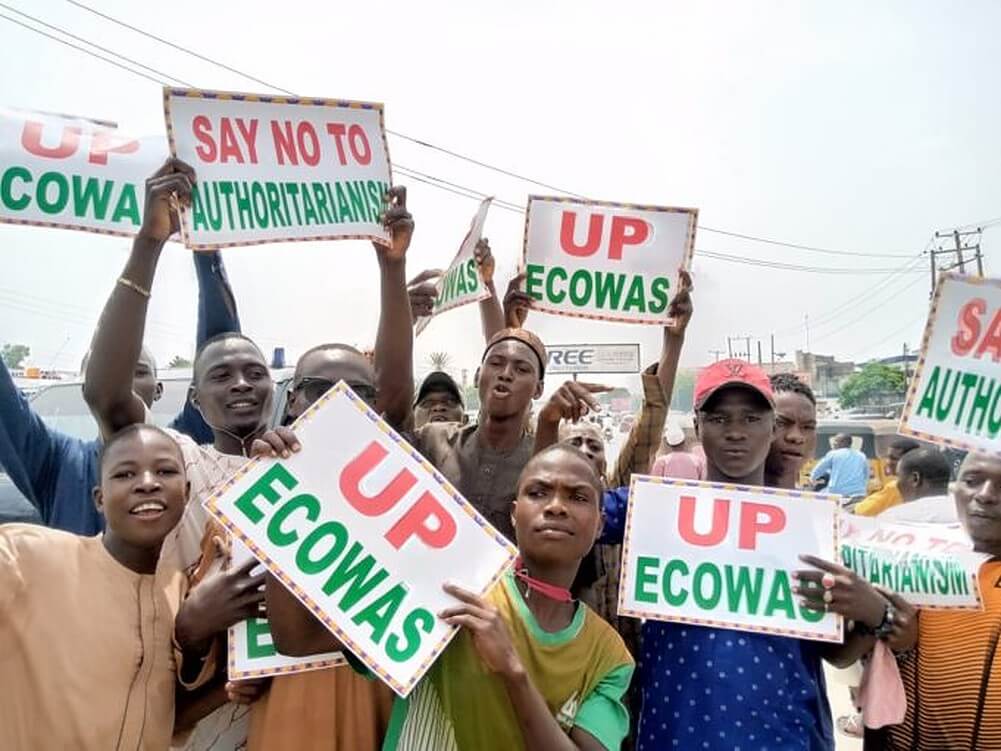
[532,667]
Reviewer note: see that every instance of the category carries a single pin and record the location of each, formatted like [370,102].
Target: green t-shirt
[583,673]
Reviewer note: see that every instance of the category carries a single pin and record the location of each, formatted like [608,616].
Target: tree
[440,361]
[874,384]
[179,362]
[14,355]
[684,390]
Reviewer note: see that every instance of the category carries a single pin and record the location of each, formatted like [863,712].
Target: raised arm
[394,343]
[658,385]
[118,340]
[491,313]
[217,314]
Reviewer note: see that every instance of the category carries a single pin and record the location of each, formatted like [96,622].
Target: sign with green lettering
[73,173]
[252,653]
[365,532]
[278,168]
[932,565]
[723,555]
[462,283]
[955,394]
[605,261]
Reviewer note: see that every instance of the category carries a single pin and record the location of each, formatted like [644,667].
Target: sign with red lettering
[73,173]
[723,555]
[252,653]
[931,565]
[606,261]
[955,394]
[364,531]
[276,169]
[462,283]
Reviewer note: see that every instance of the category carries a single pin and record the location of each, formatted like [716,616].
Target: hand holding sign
[398,222]
[169,186]
[516,303]
[681,307]
[485,260]
[572,401]
[422,291]
[836,589]
[485,624]
[217,602]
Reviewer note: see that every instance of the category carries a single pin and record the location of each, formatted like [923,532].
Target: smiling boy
[86,623]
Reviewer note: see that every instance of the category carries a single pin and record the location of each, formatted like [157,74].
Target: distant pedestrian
[847,468]
[680,461]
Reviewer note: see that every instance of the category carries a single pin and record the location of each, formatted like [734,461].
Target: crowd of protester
[113,615]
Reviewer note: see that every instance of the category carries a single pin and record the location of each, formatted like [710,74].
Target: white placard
[462,283]
[716,555]
[593,358]
[931,565]
[606,261]
[275,169]
[955,394]
[364,531]
[252,652]
[74,173]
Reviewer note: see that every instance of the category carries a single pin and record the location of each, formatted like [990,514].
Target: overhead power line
[465,157]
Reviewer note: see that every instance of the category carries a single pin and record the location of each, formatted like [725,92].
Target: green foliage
[440,361]
[684,390]
[14,355]
[874,383]
[179,362]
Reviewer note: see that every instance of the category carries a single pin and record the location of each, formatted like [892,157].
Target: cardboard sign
[931,565]
[955,394]
[275,169]
[722,555]
[462,283]
[252,652]
[593,358]
[606,261]
[74,173]
[364,531]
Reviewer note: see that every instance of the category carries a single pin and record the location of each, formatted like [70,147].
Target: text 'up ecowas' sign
[607,261]
[955,395]
[462,283]
[363,530]
[73,173]
[716,555]
[274,169]
[252,652]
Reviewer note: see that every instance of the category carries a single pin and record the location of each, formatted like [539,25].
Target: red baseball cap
[731,373]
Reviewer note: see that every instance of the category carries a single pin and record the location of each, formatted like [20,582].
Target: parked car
[63,408]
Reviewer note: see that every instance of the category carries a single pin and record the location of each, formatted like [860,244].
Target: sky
[860,127]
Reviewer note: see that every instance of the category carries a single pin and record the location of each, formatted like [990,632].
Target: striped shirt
[953,678]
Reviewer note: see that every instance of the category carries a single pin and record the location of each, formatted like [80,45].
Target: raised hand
[572,401]
[680,309]
[516,303]
[281,442]
[168,187]
[398,222]
[422,292]
[485,260]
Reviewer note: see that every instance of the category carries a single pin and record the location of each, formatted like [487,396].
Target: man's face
[438,406]
[143,488]
[977,492]
[586,437]
[795,438]
[556,515]
[509,379]
[318,371]
[233,387]
[735,427]
[144,382]
[892,459]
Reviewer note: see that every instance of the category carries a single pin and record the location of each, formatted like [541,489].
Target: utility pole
[747,352]
[962,246]
[759,353]
[773,353]
[729,348]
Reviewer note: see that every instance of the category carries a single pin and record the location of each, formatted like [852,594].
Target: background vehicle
[871,437]
[62,407]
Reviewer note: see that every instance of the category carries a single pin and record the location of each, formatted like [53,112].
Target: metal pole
[980,262]
[759,352]
[959,252]
[729,348]
[747,352]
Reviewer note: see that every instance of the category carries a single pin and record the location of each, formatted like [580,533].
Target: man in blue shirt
[57,472]
[848,468]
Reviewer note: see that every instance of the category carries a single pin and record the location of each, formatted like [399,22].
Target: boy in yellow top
[888,496]
[87,623]
[532,667]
